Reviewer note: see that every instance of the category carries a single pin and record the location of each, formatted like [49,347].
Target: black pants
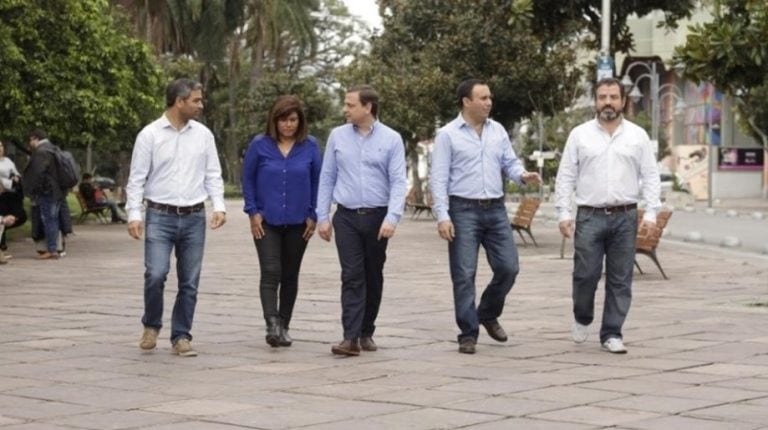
[12,203]
[362,258]
[280,250]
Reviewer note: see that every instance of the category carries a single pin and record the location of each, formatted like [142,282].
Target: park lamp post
[656,95]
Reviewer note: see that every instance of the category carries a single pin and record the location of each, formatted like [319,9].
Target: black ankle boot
[285,338]
[273,331]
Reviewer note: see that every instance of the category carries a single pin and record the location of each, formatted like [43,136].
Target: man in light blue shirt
[471,157]
[364,173]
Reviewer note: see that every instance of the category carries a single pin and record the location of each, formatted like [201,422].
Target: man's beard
[608,114]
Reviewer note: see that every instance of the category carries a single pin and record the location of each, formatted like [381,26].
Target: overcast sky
[366,9]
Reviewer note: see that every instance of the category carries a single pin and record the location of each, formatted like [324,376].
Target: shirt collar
[166,123]
[374,125]
[463,122]
[619,129]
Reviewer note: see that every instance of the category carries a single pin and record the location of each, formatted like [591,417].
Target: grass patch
[758,304]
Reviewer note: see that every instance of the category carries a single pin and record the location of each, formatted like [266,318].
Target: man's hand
[310,229]
[257,229]
[567,227]
[445,230]
[532,178]
[218,219]
[325,231]
[9,220]
[136,229]
[386,231]
[646,227]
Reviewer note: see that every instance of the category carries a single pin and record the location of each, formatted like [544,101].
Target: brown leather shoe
[48,256]
[467,345]
[367,344]
[495,331]
[348,347]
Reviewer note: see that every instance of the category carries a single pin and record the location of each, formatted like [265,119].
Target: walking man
[174,169]
[471,157]
[364,173]
[605,160]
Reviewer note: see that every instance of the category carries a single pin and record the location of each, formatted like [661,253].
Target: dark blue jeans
[478,224]
[164,233]
[280,251]
[362,256]
[610,236]
[49,215]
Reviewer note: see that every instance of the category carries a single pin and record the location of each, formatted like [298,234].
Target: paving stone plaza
[69,356]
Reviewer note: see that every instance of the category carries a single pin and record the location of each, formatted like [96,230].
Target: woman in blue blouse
[280,179]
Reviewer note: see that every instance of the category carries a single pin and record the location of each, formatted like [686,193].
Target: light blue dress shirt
[363,171]
[471,166]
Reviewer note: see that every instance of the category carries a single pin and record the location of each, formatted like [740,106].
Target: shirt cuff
[218,204]
[564,215]
[649,215]
[134,215]
[392,219]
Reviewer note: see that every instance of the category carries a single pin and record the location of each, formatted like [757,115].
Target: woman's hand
[310,230]
[257,230]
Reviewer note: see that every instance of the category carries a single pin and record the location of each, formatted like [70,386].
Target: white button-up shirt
[174,167]
[608,170]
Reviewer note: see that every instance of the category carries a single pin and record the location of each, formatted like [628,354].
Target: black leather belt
[611,209]
[478,202]
[363,211]
[176,210]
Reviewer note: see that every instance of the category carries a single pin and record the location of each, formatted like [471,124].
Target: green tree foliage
[564,19]
[429,46]
[67,67]
[731,53]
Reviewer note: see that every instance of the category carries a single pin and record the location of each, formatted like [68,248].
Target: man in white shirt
[605,161]
[174,169]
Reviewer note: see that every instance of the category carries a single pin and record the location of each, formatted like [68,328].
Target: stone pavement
[698,345]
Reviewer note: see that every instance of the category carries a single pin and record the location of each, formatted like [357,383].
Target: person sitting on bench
[95,198]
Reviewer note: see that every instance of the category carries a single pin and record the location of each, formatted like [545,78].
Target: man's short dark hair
[607,82]
[180,88]
[367,95]
[87,176]
[38,133]
[465,90]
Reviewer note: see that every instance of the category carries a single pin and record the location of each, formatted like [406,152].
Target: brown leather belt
[176,210]
[611,209]
[363,211]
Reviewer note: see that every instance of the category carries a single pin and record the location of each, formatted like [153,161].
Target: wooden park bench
[648,238]
[418,202]
[524,217]
[98,212]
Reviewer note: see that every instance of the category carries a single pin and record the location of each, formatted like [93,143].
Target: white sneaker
[615,346]
[580,332]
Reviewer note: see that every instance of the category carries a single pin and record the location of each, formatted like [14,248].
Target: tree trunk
[231,147]
[413,165]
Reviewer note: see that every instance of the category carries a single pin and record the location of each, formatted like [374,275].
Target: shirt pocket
[375,158]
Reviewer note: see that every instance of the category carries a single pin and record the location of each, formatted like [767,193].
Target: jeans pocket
[584,215]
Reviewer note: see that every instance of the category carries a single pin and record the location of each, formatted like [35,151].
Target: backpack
[67,172]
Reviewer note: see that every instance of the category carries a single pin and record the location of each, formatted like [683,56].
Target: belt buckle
[180,211]
[484,202]
[609,211]
[361,211]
